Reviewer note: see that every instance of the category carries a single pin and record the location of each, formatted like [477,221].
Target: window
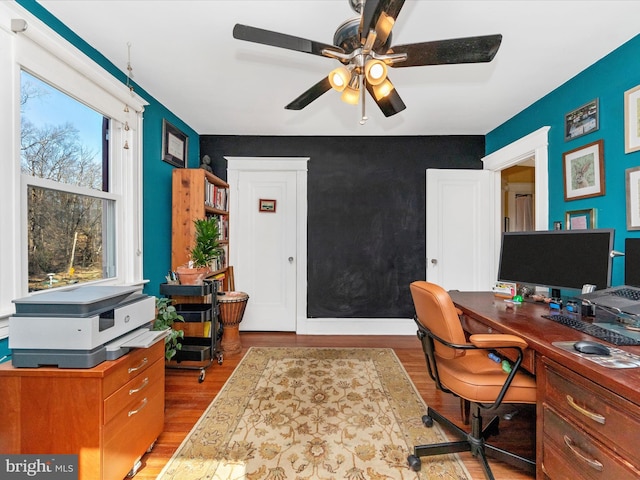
[76,211]
[70,231]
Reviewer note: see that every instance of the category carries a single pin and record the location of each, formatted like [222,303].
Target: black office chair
[462,368]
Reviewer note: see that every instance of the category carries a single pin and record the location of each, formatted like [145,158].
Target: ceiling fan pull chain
[364,118]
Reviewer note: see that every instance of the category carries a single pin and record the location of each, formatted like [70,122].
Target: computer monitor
[558,259]
[632,262]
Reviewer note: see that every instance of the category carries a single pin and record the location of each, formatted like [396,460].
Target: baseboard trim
[356,326]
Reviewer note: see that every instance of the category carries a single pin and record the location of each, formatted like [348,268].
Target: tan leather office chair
[463,368]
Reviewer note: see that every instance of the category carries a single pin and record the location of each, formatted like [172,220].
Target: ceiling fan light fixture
[375,72]
[339,78]
[385,24]
[351,94]
[383,89]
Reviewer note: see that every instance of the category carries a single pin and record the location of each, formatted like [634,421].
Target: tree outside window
[64,158]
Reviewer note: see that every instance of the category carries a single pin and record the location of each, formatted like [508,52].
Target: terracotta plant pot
[192,276]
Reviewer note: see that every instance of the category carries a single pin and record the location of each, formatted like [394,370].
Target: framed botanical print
[583,170]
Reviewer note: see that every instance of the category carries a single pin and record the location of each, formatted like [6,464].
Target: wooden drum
[232,306]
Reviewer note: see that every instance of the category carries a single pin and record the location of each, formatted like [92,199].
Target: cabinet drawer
[131,365]
[132,393]
[570,453]
[604,415]
[473,326]
[132,431]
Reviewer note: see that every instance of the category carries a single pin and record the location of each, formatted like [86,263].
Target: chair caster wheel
[414,463]
[201,376]
[427,421]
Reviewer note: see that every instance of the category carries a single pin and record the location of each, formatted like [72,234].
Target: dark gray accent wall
[366,212]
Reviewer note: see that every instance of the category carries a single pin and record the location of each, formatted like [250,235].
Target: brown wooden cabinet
[108,415]
[196,194]
[588,431]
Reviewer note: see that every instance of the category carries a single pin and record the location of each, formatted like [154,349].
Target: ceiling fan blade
[282,40]
[442,52]
[379,15]
[391,104]
[320,88]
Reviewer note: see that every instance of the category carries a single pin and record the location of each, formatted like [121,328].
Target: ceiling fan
[363,46]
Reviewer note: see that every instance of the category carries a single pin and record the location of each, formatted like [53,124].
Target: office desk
[588,416]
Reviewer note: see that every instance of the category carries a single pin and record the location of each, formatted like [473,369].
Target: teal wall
[4,350]
[606,80]
[156,173]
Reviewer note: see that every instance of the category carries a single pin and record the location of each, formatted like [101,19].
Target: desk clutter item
[616,359]
[504,289]
[594,330]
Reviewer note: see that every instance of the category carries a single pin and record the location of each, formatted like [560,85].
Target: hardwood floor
[186,399]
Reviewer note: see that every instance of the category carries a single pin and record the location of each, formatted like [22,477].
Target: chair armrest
[498,340]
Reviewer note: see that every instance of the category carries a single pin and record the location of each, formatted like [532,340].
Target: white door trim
[533,145]
[256,164]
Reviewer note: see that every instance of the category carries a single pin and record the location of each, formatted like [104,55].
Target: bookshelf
[196,194]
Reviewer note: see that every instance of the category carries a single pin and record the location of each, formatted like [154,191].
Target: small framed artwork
[633,198]
[632,120]
[175,145]
[581,121]
[581,219]
[583,170]
[268,206]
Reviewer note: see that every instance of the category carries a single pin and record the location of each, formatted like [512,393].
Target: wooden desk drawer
[473,326]
[132,365]
[603,414]
[131,394]
[132,431]
[569,453]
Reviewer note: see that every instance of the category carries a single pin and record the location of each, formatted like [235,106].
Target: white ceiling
[183,53]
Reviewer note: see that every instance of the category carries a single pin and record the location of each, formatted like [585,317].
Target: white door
[462,228]
[264,250]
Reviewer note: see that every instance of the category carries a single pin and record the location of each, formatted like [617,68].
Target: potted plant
[166,314]
[205,250]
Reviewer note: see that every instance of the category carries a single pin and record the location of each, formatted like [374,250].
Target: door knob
[290,259]
[434,261]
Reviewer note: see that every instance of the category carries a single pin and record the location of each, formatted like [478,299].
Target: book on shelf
[221,262]
[215,196]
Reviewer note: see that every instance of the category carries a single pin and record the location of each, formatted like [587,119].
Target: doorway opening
[529,150]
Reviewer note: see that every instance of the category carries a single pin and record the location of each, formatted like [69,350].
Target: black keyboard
[594,330]
[629,293]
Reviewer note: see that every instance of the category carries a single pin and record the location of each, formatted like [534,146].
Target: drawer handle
[596,465]
[596,417]
[142,405]
[142,364]
[144,383]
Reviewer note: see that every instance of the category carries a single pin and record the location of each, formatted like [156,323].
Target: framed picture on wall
[583,170]
[632,120]
[581,121]
[581,219]
[175,145]
[633,198]
[267,205]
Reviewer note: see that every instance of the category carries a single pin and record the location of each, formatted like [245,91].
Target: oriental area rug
[313,413]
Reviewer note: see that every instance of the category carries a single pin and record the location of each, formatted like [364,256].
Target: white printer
[80,327]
